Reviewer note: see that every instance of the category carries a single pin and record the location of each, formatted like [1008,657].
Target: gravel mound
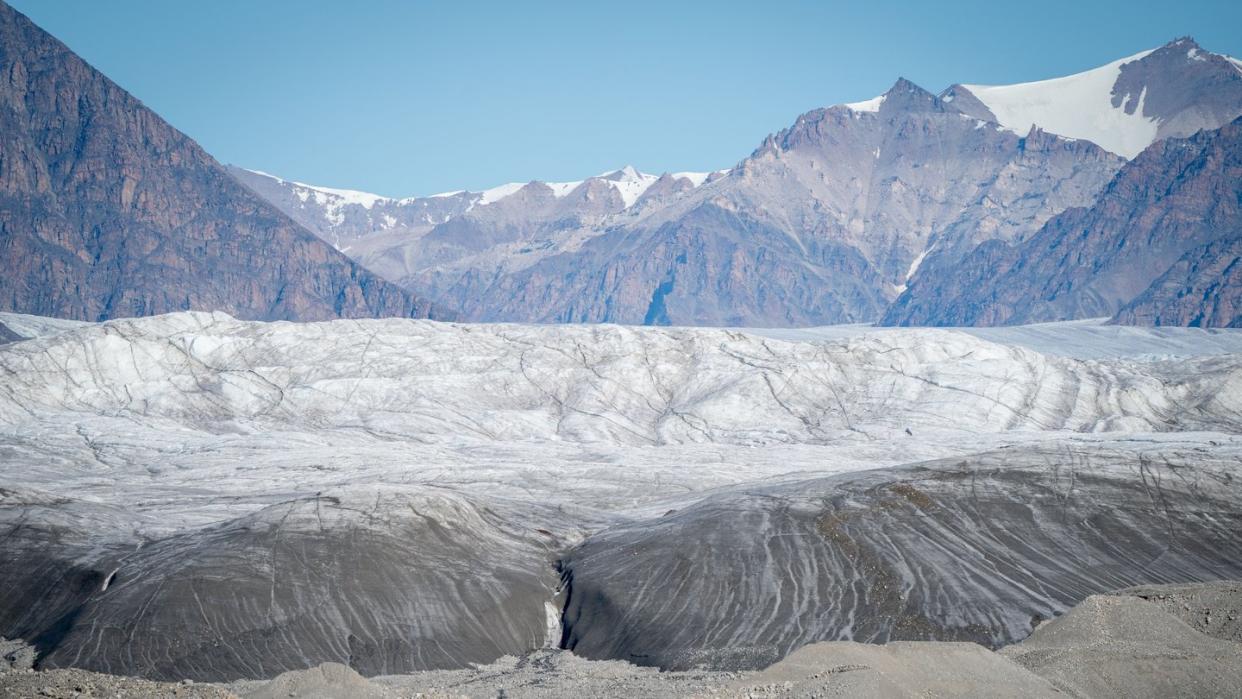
[899,669]
[327,681]
[1211,608]
[558,674]
[1113,646]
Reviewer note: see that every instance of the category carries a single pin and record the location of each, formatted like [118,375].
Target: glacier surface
[190,495]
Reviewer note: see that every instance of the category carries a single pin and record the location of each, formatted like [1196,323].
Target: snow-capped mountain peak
[629,183]
[871,105]
[332,200]
[326,195]
[1123,106]
[625,174]
[1076,106]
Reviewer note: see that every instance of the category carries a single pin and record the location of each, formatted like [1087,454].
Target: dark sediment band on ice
[386,580]
[977,549]
[401,579]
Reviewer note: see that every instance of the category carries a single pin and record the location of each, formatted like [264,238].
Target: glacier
[191,495]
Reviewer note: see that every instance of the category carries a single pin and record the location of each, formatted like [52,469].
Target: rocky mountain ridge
[106,210]
[823,223]
[828,221]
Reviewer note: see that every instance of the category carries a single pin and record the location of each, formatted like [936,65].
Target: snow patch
[495,194]
[326,195]
[552,623]
[871,105]
[347,196]
[1076,106]
[629,183]
[561,189]
[914,267]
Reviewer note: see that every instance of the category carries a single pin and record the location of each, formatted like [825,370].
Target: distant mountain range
[859,212]
[824,223]
[1110,192]
[107,211]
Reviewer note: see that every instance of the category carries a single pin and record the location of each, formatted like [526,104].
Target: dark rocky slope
[1121,644]
[1202,289]
[1160,247]
[107,211]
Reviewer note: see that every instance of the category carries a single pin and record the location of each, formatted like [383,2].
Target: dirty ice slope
[977,548]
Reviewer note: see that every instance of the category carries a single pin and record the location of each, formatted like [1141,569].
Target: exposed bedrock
[384,579]
[976,549]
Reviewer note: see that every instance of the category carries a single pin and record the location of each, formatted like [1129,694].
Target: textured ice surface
[975,548]
[192,495]
[1081,339]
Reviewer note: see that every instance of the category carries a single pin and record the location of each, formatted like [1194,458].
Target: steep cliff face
[1160,245]
[107,211]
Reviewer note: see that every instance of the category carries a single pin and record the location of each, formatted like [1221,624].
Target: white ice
[1076,106]
[191,418]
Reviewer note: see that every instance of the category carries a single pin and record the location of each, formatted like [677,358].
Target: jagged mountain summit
[419,241]
[1124,106]
[347,217]
[106,210]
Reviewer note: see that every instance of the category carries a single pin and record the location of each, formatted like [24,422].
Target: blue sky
[408,98]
